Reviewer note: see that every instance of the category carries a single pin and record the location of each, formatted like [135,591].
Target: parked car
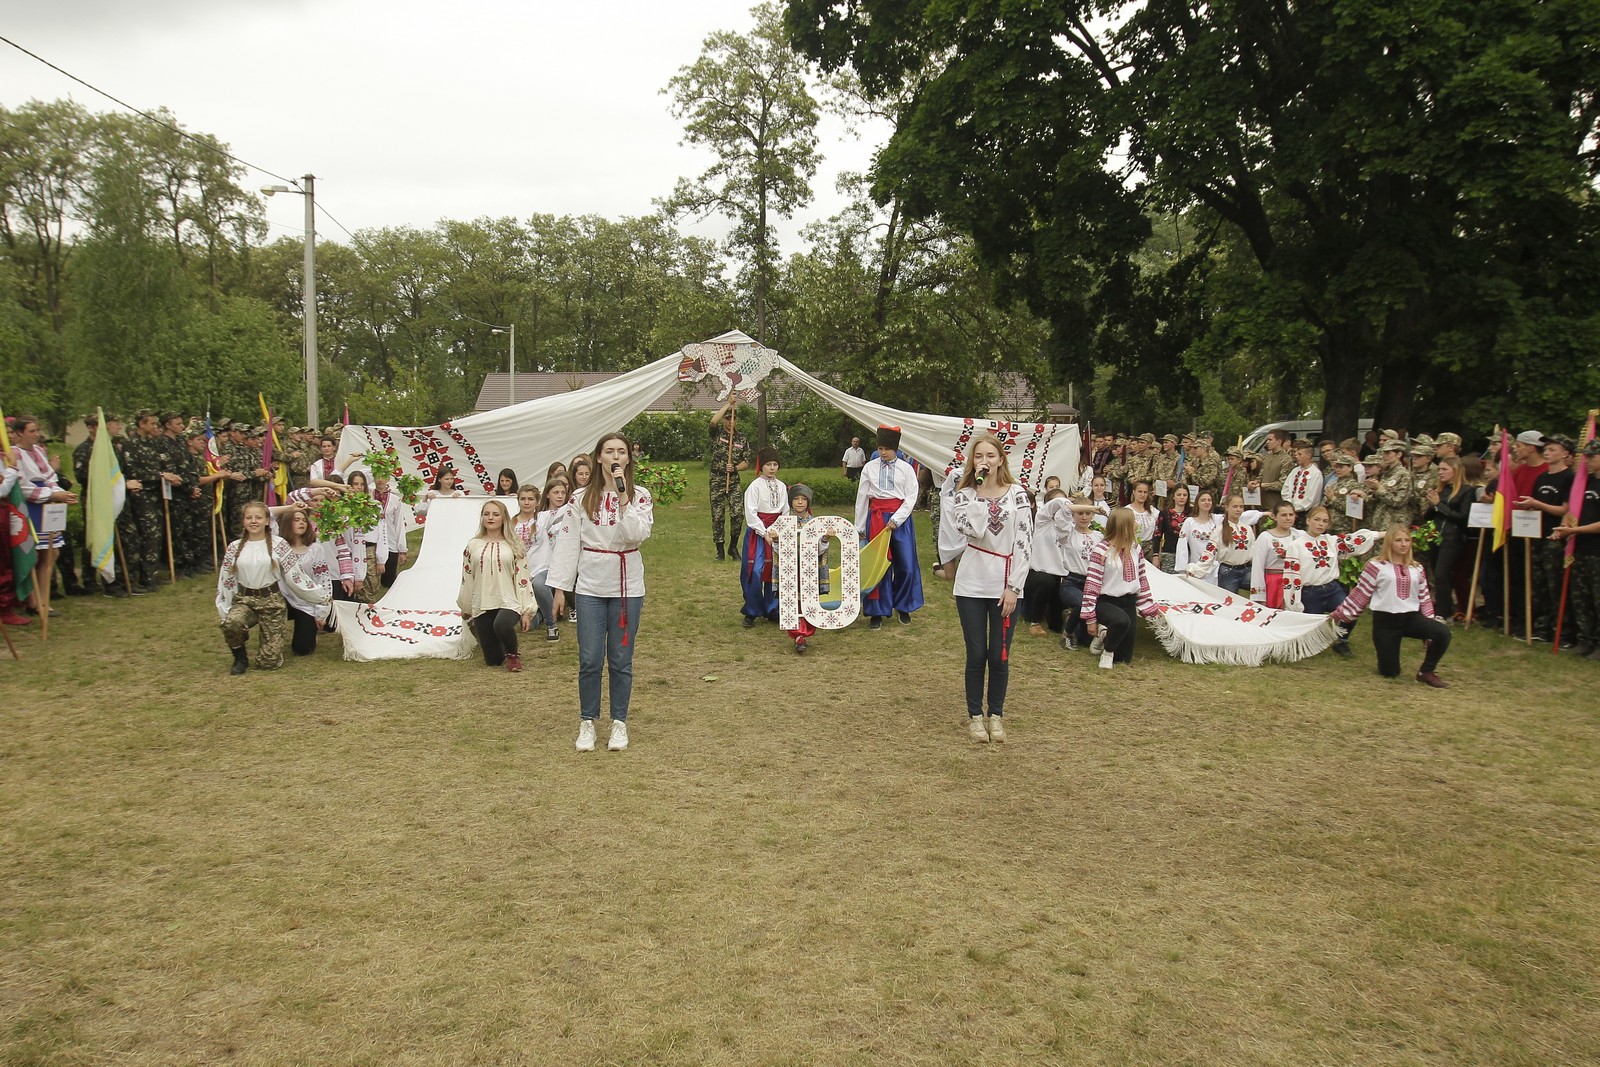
[1256,439]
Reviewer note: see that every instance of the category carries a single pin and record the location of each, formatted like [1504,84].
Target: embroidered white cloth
[1201,623]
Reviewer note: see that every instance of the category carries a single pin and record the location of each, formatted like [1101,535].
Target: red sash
[622,592]
[880,511]
[767,519]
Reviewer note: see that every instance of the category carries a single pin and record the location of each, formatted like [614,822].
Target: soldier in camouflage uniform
[1141,459]
[1392,492]
[1164,468]
[1337,495]
[144,455]
[1207,468]
[201,519]
[1115,472]
[730,454]
[179,465]
[1422,468]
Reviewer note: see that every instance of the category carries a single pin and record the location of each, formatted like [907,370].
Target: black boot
[733,548]
[720,556]
[241,662]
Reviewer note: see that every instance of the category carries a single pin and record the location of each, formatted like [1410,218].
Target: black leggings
[497,633]
[988,641]
[1072,601]
[1118,617]
[303,642]
[1042,594]
[1388,627]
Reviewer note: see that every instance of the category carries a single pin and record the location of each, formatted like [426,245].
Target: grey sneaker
[975,729]
[586,735]
[1098,645]
[619,736]
[997,730]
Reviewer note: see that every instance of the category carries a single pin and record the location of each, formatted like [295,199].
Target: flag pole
[127,579]
[1580,476]
[1472,590]
[166,511]
[1527,589]
[5,633]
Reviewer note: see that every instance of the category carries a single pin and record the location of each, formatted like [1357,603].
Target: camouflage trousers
[147,550]
[265,611]
[1583,599]
[1547,567]
[727,507]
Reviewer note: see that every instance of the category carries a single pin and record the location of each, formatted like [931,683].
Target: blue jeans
[544,598]
[601,641]
[1233,578]
[988,645]
[1322,599]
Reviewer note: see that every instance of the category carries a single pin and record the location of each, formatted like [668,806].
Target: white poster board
[1481,516]
[1527,524]
[1161,487]
[53,518]
[1355,507]
[1252,498]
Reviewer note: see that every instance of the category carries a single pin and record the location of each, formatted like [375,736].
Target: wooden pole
[166,512]
[1472,591]
[41,589]
[216,520]
[1527,589]
[127,579]
[9,643]
[1561,606]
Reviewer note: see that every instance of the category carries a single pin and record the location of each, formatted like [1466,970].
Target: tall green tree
[746,99]
[1410,180]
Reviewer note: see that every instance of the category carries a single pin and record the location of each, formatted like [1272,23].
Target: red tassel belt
[880,509]
[767,519]
[622,571]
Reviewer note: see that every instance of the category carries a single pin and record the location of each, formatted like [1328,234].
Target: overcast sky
[410,112]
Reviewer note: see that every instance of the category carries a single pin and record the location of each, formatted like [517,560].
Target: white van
[1256,439]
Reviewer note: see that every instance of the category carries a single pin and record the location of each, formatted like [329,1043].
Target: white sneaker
[619,736]
[997,730]
[1107,659]
[975,729]
[1098,645]
[586,735]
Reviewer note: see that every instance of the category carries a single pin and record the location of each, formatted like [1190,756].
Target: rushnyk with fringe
[1201,623]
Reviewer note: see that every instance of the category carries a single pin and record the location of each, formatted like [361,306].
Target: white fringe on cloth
[1201,623]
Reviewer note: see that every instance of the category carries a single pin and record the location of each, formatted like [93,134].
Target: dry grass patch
[801,861]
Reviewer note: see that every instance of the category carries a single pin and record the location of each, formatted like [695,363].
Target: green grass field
[799,861]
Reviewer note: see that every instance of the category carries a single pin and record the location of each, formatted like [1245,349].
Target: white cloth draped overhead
[529,436]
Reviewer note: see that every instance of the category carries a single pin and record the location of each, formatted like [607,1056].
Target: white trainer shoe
[1107,659]
[619,737]
[975,729]
[586,735]
[997,730]
[1098,645]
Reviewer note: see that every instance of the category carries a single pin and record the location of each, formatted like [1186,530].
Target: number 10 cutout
[799,591]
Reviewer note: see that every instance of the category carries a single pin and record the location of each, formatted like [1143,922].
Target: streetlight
[511,382]
[309,292]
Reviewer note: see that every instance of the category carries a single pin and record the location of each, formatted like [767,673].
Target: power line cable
[212,145]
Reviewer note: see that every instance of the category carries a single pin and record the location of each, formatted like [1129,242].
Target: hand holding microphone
[981,473]
[616,475]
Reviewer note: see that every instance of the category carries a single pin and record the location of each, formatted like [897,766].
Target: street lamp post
[511,362]
[309,290]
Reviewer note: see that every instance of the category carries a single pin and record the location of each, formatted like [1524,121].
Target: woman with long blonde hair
[1116,590]
[496,591]
[993,514]
[1395,587]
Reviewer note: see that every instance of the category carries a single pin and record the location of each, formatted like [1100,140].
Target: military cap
[1369,460]
[1421,450]
[1235,450]
[1390,435]
[1171,437]
[1448,439]
[1592,448]
[1343,458]
[1148,438]
[1392,445]
[1563,440]
[144,413]
[222,423]
[1422,439]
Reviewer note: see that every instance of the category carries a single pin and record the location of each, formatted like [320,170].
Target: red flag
[1580,481]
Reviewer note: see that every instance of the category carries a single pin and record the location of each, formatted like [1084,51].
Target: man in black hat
[884,499]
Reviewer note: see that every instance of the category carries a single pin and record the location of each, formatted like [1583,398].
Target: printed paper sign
[1161,487]
[1355,507]
[1527,524]
[1194,493]
[53,519]
[1252,498]
[1481,516]
[166,489]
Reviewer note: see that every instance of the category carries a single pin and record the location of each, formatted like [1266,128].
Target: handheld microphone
[616,472]
[981,474]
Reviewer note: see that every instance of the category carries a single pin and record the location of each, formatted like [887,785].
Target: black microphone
[981,473]
[616,472]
